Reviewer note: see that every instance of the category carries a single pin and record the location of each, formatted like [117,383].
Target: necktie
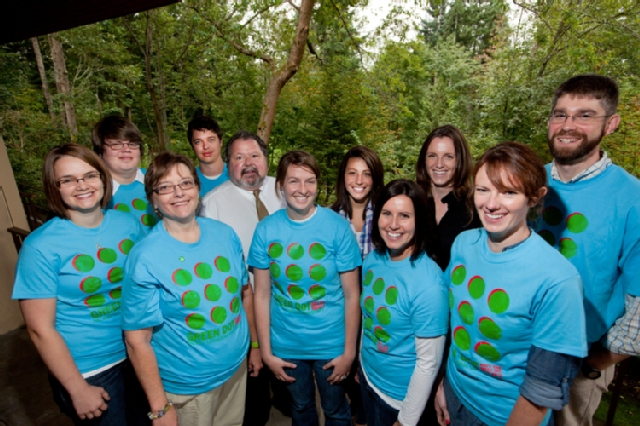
[260,207]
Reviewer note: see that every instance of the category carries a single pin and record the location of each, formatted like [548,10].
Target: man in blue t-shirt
[205,137]
[119,143]
[592,216]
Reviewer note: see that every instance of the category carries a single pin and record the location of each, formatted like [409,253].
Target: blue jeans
[127,407]
[303,395]
[377,412]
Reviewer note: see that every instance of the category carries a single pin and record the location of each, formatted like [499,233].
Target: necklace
[97,239]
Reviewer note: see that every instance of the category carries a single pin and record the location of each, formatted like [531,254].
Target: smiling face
[503,211]
[179,205]
[573,143]
[123,162]
[247,164]
[441,162]
[397,226]
[299,190]
[207,146]
[357,180]
[83,197]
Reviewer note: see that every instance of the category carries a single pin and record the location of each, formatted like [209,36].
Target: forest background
[488,67]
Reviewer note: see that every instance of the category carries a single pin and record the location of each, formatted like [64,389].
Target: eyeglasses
[185,185]
[582,118]
[117,146]
[91,177]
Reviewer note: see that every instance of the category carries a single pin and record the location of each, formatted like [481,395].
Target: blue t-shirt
[191,295]
[207,184]
[501,304]
[400,301]
[132,199]
[595,224]
[82,268]
[304,261]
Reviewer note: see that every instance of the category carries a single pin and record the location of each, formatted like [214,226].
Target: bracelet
[161,412]
[255,345]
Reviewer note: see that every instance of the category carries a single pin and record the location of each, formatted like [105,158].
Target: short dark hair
[51,189]
[524,169]
[464,162]
[374,164]
[425,239]
[592,86]
[295,158]
[161,166]
[246,135]
[202,123]
[115,127]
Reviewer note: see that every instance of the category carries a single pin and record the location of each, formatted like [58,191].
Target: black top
[456,220]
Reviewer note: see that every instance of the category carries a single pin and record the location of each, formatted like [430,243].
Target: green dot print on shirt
[295,292]
[139,204]
[391,296]
[218,314]
[317,272]
[125,246]
[465,310]
[461,338]
[107,255]
[203,270]
[316,292]
[487,351]
[295,251]
[90,284]
[458,274]
[181,277]
[212,292]
[498,301]
[275,250]
[83,263]
[95,301]
[294,273]
[274,269]
[116,293]
[115,274]
[383,315]
[148,219]
[122,207]
[317,251]
[568,248]
[577,223]
[232,285]
[195,321]
[190,299]
[234,305]
[489,328]
[378,286]
[222,264]
[476,287]
[368,278]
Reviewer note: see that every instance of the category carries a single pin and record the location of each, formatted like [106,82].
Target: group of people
[491,293]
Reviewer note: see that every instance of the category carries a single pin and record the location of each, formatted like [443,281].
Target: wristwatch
[589,372]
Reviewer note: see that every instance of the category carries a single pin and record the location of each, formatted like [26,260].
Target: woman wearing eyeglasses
[119,142]
[188,306]
[68,281]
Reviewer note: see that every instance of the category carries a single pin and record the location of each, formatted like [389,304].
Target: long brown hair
[377,175]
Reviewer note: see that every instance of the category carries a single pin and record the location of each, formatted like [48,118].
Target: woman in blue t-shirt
[404,309]
[68,281]
[517,320]
[187,306]
[305,260]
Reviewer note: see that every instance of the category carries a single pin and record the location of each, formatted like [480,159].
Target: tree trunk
[62,84]
[43,78]
[159,108]
[281,78]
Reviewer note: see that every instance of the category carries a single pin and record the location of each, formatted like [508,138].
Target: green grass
[627,414]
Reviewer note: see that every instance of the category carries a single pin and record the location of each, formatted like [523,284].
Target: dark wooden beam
[22,19]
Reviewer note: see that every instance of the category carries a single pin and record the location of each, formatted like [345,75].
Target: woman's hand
[441,406]
[90,401]
[341,368]
[254,362]
[277,366]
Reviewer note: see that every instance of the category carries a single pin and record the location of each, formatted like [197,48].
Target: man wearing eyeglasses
[205,137]
[592,216]
[119,142]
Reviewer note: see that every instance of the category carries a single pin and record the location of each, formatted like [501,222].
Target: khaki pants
[584,400]
[222,406]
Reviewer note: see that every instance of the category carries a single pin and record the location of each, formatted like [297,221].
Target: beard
[573,154]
